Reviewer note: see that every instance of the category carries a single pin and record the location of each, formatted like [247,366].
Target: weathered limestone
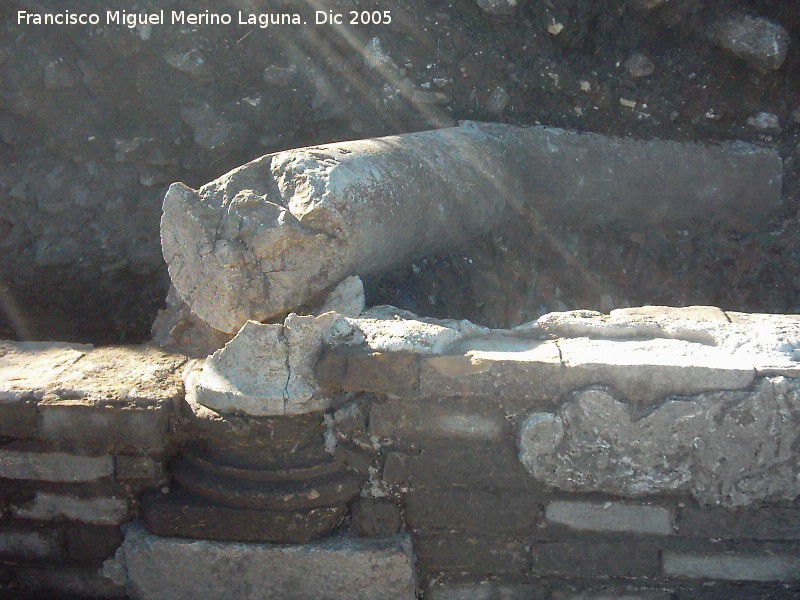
[155,568]
[728,448]
[266,369]
[276,233]
[638,402]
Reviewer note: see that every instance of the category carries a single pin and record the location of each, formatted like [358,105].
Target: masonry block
[91,544]
[596,559]
[20,542]
[110,426]
[340,568]
[733,566]
[473,510]
[610,517]
[763,523]
[18,417]
[54,466]
[138,467]
[52,507]
[68,582]
[438,419]
[472,553]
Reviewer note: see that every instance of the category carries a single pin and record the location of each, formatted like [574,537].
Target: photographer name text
[182,17]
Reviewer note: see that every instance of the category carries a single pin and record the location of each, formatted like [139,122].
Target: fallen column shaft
[275,233]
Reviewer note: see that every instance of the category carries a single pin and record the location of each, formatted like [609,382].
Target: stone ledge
[646,354]
[119,398]
[345,568]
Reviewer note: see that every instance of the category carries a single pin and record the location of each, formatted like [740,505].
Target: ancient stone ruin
[286,441]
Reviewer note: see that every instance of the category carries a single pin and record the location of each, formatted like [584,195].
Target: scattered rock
[177,329]
[638,65]
[211,130]
[499,7]
[498,100]
[191,62]
[346,299]
[280,76]
[58,76]
[765,121]
[759,41]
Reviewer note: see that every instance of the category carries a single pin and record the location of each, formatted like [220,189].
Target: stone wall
[648,453]
[84,431]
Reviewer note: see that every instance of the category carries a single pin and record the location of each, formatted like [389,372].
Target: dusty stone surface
[345,568]
[274,234]
[27,367]
[389,329]
[759,41]
[267,369]
[645,354]
[55,373]
[645,371]
[767,342]
[728,448]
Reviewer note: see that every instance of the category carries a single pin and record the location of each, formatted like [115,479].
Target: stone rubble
[760,42]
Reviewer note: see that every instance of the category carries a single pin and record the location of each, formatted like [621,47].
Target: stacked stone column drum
[252,479]
[650,453]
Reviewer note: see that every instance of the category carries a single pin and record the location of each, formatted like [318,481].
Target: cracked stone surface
[390,329]
[278,233]
[726,448]
[266,369]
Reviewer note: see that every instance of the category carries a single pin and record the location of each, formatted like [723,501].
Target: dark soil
[96,121]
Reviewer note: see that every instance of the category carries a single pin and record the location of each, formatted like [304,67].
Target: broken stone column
[276,233]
